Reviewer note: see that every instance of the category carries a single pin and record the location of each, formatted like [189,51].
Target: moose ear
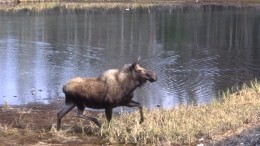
[138,59]
[134,64]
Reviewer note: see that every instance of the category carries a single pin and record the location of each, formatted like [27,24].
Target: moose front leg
[63,112]
[137,104]
[108,112]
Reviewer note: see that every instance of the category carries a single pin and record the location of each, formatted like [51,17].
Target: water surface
[196,51]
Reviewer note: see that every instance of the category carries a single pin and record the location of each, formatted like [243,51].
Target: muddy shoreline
[35,124]
[234,120]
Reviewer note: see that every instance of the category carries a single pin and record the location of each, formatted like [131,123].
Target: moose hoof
[97,123]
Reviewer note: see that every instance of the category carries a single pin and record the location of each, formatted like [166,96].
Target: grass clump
[187,124]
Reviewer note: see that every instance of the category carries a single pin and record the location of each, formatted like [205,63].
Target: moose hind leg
[137,104]
[80,115]
[63,112]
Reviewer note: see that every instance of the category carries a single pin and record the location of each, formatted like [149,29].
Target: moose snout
[152,77]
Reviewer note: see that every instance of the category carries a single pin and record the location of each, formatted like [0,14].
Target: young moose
[115,87]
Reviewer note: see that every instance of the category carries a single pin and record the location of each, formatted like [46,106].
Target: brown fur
[113,88]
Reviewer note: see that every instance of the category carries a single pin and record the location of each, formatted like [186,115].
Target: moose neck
[127,79]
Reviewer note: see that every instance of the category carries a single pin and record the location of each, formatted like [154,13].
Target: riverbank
[41,5]
[235,120]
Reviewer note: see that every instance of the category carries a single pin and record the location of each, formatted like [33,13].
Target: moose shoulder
[113,88]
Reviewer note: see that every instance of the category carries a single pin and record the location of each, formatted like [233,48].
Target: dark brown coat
[115,87]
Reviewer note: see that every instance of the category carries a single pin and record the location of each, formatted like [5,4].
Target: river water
[197,51]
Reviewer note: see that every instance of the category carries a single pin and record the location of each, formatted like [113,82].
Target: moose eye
[139,71]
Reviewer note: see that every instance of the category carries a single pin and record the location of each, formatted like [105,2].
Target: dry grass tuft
[6,106]
[7,130]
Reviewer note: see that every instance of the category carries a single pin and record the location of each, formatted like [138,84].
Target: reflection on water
[196,51]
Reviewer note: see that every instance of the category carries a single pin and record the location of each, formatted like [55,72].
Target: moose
[115,87]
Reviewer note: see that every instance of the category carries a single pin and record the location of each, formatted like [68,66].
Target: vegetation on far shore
[185,124]
[41,5]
